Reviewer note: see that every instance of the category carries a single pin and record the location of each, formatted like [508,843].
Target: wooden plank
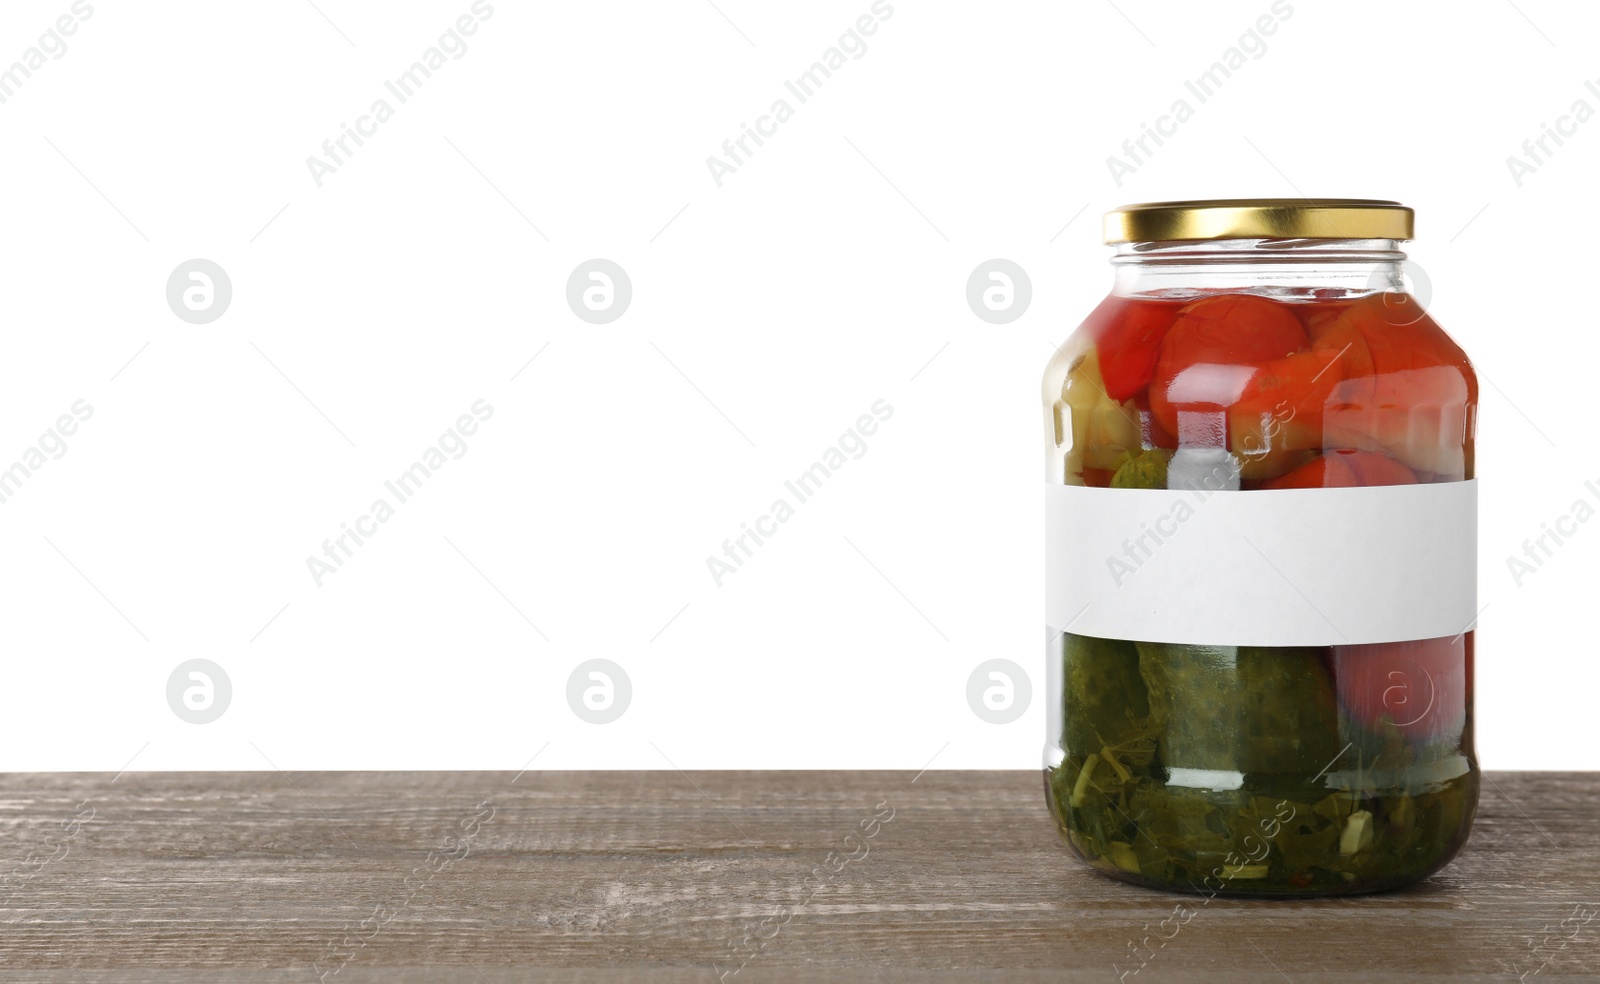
[652,876]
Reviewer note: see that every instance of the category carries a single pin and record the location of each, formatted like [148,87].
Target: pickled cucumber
[1106,701]
[1241,708]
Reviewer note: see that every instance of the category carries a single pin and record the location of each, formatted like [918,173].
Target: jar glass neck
[1282,267]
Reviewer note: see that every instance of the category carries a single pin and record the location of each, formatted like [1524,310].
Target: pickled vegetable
[1145,470]
[1240,708]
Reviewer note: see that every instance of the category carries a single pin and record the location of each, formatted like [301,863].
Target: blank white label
[1277,567]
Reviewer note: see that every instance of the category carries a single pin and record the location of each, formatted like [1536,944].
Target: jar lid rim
[1259,218]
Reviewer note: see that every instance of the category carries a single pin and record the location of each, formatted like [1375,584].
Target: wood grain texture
[652,876]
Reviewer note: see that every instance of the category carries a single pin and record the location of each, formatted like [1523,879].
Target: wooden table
[666,876]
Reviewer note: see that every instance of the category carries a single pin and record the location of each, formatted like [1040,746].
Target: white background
[822,276]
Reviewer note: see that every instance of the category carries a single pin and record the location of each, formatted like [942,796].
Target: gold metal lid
[1259,218]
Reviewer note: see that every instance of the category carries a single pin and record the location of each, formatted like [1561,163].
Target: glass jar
[1261,540]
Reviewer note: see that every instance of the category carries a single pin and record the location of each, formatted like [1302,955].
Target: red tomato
[1371,468]
[1127,336]
[1412,401]
[1323,473]
[1401,337]
[1343,468]
[1418,687]
[1231,334]
[1232,329]
[1097,478]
